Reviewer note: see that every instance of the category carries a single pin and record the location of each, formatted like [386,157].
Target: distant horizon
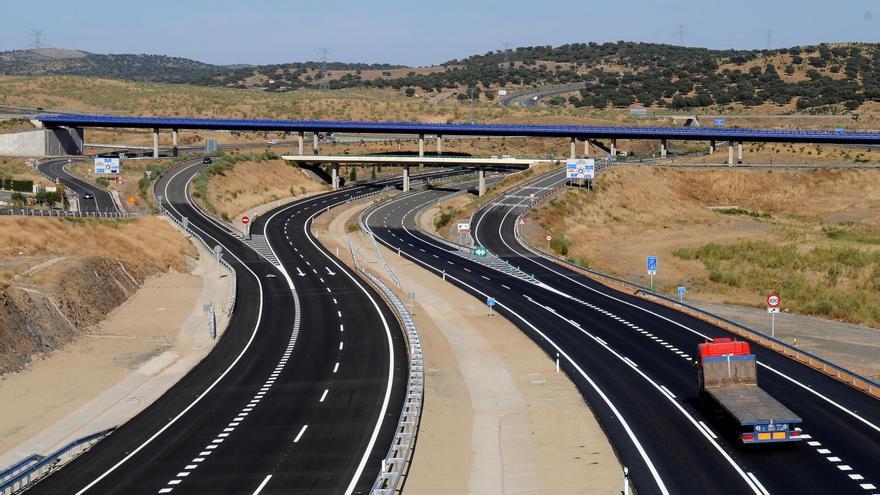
[332,61]
[262,32]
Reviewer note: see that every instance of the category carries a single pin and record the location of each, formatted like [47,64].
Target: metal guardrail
[29,212]
[232,297]
[852,378]
[33,468]
[396,461]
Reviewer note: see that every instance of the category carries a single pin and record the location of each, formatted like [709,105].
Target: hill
[826,78]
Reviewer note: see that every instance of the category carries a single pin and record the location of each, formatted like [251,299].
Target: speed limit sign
[773,301]
[549,237]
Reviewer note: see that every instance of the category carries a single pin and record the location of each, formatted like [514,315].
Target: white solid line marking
[300,434]
[667,391]
[324,395]
[262,485]
[758,484]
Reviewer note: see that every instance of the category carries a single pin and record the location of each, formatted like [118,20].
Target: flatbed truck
[727,374]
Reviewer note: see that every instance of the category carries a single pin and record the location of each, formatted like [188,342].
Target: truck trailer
[727,372]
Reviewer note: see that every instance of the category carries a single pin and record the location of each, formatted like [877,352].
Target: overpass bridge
[425,129]
[406,161]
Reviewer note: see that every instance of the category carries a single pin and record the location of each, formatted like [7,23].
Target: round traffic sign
[549,237]
[773,300]
[245,219]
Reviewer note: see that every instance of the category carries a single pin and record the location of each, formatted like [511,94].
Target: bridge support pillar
[302,136]
[439,144]
[586,148]
[315,143]
[730,152]
[614,149]
[406,178]
[481,188]
[335,176]
[155,143]
[573,148]
[739,153]
[421,149]
[663,148]
[173,142]
[712,147]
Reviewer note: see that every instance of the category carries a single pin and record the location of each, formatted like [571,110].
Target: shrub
[561,245]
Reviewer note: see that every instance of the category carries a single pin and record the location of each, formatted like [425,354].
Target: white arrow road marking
[299,272]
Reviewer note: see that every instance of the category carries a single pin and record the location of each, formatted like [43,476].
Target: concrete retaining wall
[45,142]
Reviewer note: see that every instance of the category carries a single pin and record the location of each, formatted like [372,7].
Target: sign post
[490,301]
[246,221]
[463,228]
[652,269]
[773,303]
[549,238]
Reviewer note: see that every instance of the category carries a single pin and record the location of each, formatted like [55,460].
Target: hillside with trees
[822,78]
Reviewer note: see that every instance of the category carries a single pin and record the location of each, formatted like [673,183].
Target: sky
[419,33]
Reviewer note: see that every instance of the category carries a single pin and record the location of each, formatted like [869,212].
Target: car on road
[207,159]
[272,141]
[88,195]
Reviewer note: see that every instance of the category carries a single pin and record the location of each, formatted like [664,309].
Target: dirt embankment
[60,276]
[230,187]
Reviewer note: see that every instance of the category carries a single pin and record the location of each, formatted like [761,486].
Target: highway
[527,98]
[633,362]
[102,200]
[300,395]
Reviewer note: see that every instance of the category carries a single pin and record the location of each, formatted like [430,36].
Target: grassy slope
[812,235]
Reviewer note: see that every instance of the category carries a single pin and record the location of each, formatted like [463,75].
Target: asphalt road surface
[101,200]
[532,97]
[300,395]
[633,362]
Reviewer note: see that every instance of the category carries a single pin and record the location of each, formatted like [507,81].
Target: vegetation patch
[835,281]
[741,211]
[445,216]
[852,234]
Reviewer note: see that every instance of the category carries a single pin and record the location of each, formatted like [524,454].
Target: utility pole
[37,36]
[506,60]
[769,37]
[324,82]
[680,31]
[473,113]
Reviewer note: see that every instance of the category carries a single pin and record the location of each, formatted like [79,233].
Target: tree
[353,174]
[410,92]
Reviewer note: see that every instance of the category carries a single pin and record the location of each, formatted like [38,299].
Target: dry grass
[639,211]
[791,154]
[249,184]
[136,242]
[21,169]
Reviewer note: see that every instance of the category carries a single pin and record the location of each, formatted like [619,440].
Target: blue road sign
[719,122]
[490,301]
[682,291]
[652,263]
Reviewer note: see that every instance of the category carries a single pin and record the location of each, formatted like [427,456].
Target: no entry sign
[245,219]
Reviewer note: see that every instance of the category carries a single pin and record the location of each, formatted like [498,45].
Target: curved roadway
[300,395]
[633,362]
[101,201]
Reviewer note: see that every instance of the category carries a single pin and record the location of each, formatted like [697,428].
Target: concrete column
[481,189]
[586,148]
[730,152]
[663,146]
[614,149]
[572,148]
[712,147]
[173,142]
[406,178]
[155,143]
[315,143]
[301,139]
[335,181]
[739,146]
[439,144]
[421,149]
